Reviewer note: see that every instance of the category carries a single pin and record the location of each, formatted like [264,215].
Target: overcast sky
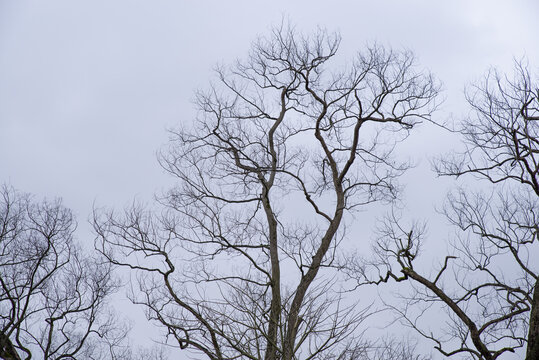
[88,88]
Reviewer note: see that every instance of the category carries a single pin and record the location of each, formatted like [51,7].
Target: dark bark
[532,353]
[7,350]
[275,308]
[475,334]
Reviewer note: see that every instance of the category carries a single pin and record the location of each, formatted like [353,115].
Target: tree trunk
[532,353]
[7,350]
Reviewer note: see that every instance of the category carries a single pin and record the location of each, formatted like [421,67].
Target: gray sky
[87,88]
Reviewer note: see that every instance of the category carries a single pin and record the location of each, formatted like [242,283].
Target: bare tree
[488,284]
[240,261]
[52,297]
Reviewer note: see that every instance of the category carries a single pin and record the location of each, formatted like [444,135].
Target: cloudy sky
[88,88]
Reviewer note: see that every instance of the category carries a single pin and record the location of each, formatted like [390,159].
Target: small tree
[240,262]
[52,298]
[488,285]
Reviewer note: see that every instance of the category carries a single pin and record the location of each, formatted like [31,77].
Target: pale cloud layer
[88,87]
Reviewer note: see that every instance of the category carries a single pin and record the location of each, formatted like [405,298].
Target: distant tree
[240,260]
[488,285]
[52,295]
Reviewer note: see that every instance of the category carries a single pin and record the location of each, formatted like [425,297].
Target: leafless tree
[239,262]
[488,284]
[52,297]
